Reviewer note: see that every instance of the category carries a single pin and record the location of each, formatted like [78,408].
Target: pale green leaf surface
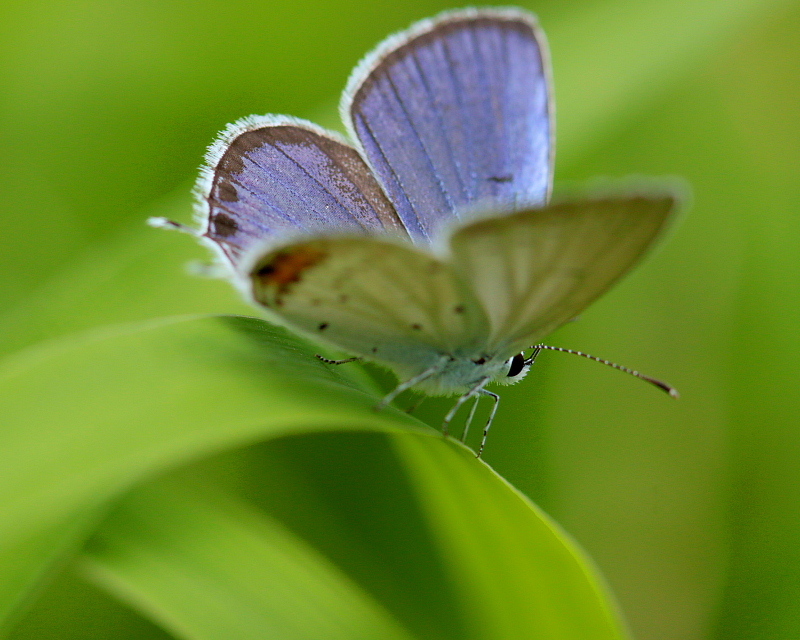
[192,387]
[763,583]
[516,578]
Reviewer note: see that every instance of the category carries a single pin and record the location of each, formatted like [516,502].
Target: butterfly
[427,242]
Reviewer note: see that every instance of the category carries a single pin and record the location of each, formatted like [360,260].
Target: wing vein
[468,138]
[440,120]
[344,207]
[425,151]
[260,197]
[380,150]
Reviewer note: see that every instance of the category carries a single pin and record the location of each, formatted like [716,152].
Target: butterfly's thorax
[461,373]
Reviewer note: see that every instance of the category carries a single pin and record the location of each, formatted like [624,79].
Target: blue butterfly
[428,244]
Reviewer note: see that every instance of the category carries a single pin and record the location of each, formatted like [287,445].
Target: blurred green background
[689,508]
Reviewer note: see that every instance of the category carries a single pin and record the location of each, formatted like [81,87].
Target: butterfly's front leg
[469,394]
[490,420]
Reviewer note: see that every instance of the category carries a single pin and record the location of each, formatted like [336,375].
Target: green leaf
[193,387]
[84,419]
[205,565]
[138,274]
[449,551]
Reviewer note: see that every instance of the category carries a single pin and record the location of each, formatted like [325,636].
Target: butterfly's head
[514,370]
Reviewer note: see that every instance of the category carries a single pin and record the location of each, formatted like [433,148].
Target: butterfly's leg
[436,368]
[469,394]
[491,417]
[412,408]
[470,417]
[345,361]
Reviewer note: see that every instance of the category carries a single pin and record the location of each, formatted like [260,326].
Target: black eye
[517,365]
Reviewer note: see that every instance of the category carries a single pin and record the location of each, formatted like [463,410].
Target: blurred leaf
[137,274]
[129,401]
[763,577]
[205,566]
[209,567]
[613,58]
[73,609]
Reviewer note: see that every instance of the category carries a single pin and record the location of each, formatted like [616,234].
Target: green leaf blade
[85,419]
[519,575]
[208,566]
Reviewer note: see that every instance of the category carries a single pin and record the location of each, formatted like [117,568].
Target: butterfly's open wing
[276,176]
[456,112]
[382,300]
[535,270]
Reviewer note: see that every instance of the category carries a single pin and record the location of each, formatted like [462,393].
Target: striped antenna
[672,391]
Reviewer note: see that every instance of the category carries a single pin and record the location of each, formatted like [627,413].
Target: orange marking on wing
[286,269]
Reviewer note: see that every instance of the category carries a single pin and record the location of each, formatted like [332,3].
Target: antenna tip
[668,388]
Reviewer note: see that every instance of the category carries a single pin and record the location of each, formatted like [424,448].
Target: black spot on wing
[226,192]
[224,225]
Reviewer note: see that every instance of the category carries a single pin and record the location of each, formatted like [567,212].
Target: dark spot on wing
[479,360]
[459,309]
[416,327]
[374,349]
[226,192]
[323,326]
[500,178]
[343,298]
[224,225]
